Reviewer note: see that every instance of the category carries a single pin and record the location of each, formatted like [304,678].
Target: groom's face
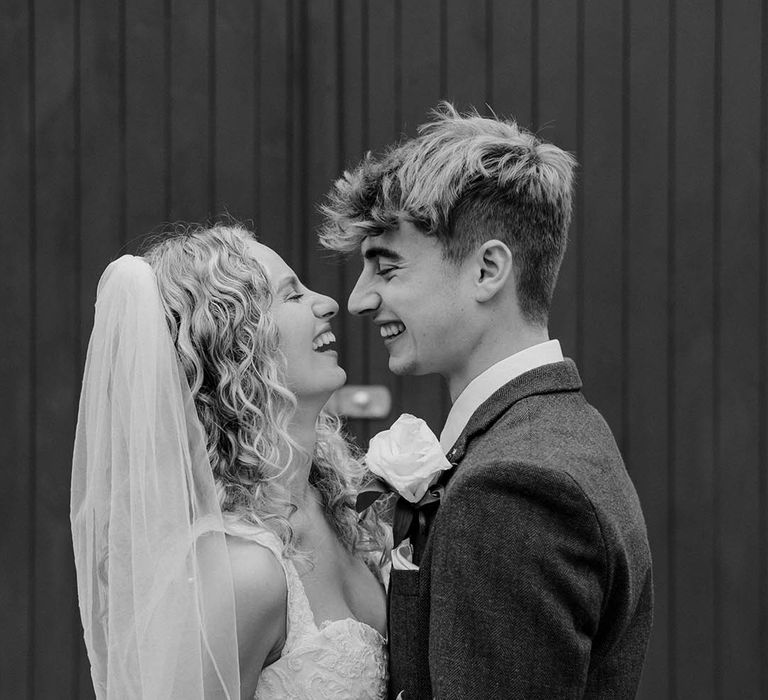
[416,299]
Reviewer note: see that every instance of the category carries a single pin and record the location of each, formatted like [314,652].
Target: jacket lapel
[547,379]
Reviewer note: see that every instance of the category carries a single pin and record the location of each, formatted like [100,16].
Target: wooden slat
[646,446]
[353,331]
[101,177]
[602,183]
[737,460]
[510,90]
[383,81]
[321,128]
[100,151]
[16,344]
[466,54]
[556,118]
[297,181]
[762,306]
[420,93]
[191,147]
[383,127]
[352,83]
[273,115]
[692,489]
[54,655]
[147,101]
[325,126]
[234,108]
[420,59]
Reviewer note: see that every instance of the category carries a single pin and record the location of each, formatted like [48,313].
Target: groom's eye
[383,271]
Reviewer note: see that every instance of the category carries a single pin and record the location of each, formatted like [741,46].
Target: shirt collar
[495,377]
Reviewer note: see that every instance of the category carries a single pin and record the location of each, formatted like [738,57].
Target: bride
[218,553]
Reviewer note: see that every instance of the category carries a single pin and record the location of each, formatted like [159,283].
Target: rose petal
[408,456]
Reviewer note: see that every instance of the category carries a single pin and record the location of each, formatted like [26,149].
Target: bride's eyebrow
[288,281]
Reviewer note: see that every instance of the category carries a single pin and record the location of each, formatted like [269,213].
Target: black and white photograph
[384,349]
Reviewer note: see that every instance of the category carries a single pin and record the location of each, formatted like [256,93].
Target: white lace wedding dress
[340,659]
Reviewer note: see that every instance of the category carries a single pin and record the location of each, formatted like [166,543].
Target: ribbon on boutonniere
[406,459]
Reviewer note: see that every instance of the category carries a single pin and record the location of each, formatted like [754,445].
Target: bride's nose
[324,306]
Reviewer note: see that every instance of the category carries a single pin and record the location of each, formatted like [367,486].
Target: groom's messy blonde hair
[465,179]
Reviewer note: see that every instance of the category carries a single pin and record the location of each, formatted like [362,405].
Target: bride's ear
[493,269]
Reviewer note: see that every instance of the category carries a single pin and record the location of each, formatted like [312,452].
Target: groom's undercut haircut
[465,179]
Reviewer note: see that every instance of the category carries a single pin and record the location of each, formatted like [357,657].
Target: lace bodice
[340,659]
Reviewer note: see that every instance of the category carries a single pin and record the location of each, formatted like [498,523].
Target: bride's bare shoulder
[257,573]
[261,604]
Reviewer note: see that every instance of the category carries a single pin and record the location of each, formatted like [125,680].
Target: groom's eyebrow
[382,252]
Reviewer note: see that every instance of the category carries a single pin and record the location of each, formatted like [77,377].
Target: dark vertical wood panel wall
[647,375]
[119,117]
[696,637]
[17,343]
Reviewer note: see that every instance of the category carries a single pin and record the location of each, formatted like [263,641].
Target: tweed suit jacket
[535,580]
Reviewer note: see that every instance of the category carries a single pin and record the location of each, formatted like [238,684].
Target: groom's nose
[363,298]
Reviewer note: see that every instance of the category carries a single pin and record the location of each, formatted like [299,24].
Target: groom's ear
[493,268]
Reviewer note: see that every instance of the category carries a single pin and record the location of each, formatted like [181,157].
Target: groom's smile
[391,330]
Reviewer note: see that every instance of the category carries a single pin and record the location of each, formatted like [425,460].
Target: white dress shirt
[495,377]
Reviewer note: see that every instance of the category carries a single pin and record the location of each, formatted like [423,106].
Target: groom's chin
[402,366]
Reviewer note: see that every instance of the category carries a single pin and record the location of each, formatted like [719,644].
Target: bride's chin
[337,378]
[320,395]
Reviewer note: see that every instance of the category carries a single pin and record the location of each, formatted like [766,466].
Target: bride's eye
[294,294]
[384,271]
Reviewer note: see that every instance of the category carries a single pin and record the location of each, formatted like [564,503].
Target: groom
[535,577]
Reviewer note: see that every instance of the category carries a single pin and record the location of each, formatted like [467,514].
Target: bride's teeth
[323,339]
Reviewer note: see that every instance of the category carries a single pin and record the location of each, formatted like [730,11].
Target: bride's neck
[304,434]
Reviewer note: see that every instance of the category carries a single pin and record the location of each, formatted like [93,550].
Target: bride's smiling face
[303,321]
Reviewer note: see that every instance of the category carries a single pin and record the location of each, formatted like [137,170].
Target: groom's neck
[496,345]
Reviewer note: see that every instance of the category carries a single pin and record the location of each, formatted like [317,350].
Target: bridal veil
[153,573]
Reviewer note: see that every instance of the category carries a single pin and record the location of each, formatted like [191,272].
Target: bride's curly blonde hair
[217,300]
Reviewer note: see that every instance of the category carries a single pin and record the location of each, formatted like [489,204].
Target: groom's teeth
[391,329]
[323,339]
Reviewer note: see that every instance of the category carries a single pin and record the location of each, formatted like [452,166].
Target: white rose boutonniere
[408,457]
